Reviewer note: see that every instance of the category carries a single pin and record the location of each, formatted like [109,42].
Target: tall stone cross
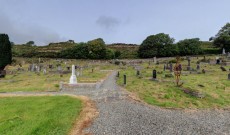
[73,78]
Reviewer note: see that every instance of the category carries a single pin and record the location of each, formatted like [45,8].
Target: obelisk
[73,78]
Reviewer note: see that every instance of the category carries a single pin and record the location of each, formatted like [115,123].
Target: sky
[116,21]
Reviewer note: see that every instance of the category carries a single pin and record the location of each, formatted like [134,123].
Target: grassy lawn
[213,84]
[38,115]
[31,81]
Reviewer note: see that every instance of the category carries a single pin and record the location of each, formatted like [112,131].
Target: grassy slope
[166,94]
[38,115]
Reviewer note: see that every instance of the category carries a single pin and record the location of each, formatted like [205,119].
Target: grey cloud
[22,33]
[107,22]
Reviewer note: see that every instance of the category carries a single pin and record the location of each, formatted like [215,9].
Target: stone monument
[223,52]
[73,78]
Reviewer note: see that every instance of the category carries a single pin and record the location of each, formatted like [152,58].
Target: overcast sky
[116,21]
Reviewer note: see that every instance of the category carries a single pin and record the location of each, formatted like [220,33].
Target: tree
[31,43]
[155,45]
[5,51]
[79,51]
[97,49]
[222,38]
[189,46]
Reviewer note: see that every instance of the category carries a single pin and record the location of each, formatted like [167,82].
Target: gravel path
[120,115]
[124,116]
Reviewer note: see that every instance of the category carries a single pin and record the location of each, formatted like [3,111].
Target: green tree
[189,46]
[222,38]
[31,43]
[79,51]
[110,54]
[5,51]
[97,49]
[156,45]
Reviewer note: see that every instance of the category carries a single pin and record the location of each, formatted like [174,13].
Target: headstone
[118,74]
[50,66]
[171,67]
[44,71]
[68,68]
[189,63]
[138,72]
[154,74]
[124,79]
[59,68]
[218,61]
[223,52]
[229,76]
[39,60]
[223,69]
[198,67]
[155,60]
[73,78]
[2,73]
[164,67]
[203,71]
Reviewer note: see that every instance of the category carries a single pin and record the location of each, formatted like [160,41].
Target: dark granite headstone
[124,79]
[154,74]
[229,76]
[171,67]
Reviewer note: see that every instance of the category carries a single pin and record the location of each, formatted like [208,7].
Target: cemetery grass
[31,81]
[53,115]
[165,93]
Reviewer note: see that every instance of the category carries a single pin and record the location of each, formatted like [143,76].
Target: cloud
[22,32]
[107,22]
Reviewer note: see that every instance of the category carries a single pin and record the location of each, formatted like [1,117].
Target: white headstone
[223,51]
[155,60]
[73,78]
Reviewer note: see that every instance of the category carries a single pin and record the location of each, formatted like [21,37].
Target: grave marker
[154,74]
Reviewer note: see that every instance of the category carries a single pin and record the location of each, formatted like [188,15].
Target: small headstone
[198,67]
[203,71]
[218,61]
[154,74]
[50,66]
[138,72]
[2,73]
[164,67]
[229,76]
[124,79]
[223,69]
[59,68]
[68,68]
[155,60]
[171,67]
[118,74]
[44,71]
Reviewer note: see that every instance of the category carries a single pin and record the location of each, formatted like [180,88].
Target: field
[38,115]
[164,92]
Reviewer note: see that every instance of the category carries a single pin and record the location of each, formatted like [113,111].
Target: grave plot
[202,85]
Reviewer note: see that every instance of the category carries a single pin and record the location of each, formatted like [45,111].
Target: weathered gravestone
[223,69]
[68,68]
[164,67]
[198,67]
[229,76]
[155,60]
[171,67]
[189,63]
[2,73]
[138,72]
